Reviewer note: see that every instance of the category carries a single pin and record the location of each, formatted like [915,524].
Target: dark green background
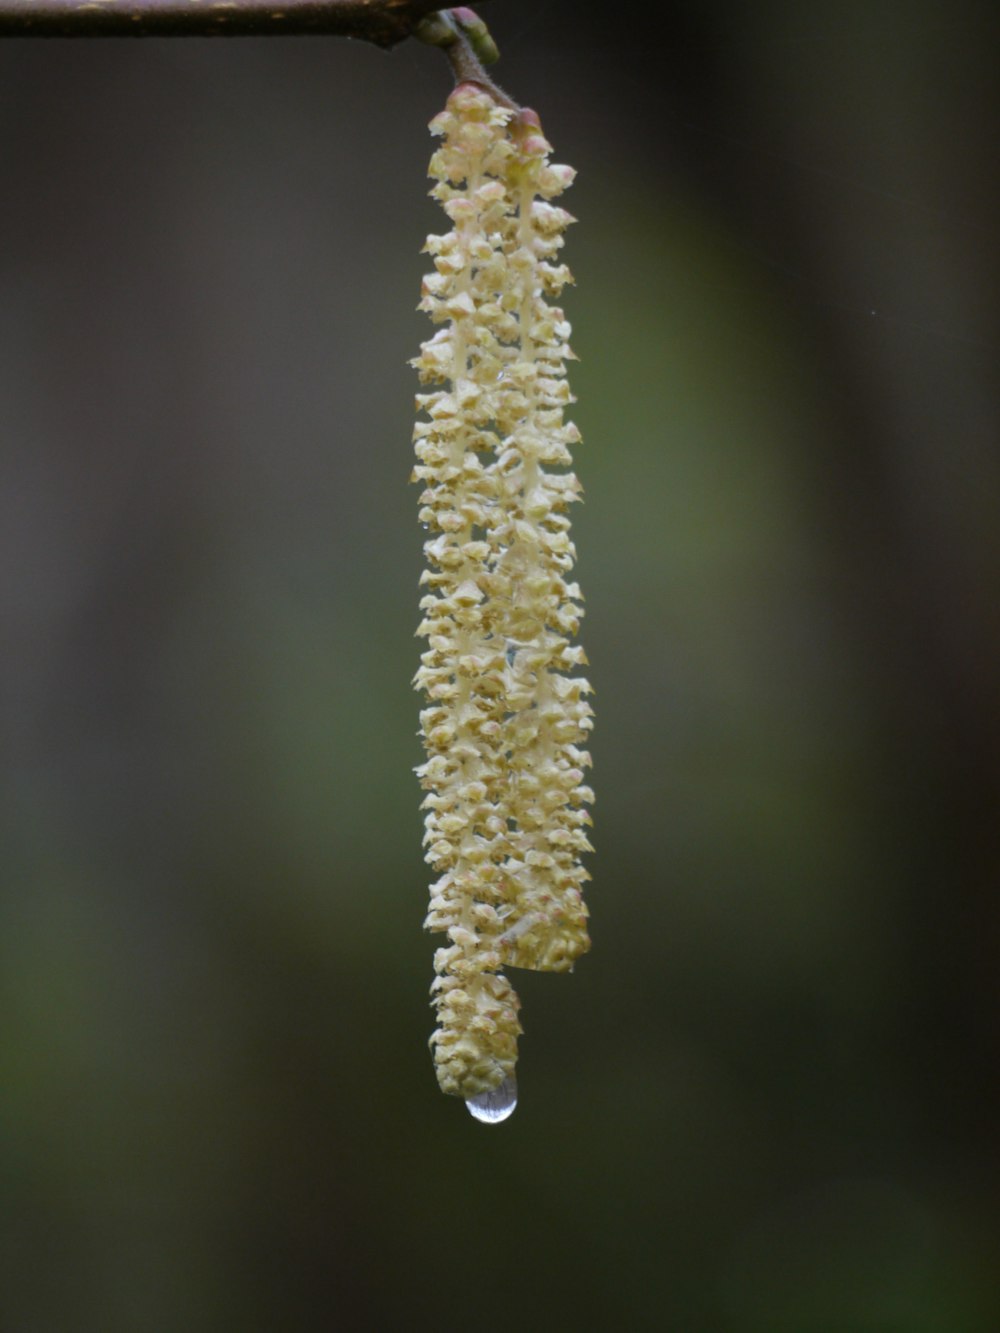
[766,1102]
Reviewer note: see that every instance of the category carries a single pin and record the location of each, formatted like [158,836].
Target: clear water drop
[496,1105]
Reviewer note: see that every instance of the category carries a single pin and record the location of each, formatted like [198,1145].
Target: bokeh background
[766,1102]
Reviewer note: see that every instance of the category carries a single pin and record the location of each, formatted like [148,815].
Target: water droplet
[496,1105]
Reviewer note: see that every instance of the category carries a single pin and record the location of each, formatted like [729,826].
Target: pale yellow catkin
[505,720]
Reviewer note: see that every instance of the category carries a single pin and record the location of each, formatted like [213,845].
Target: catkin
[505,720]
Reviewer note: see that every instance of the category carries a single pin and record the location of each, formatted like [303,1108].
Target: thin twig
[384,22]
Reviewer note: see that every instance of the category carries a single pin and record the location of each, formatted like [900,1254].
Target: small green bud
[478,34]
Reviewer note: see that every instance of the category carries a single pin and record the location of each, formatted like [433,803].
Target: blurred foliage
[766,1102]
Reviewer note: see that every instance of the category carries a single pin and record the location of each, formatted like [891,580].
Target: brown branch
[384,22]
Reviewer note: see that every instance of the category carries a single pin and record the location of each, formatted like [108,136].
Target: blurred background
[766,1102]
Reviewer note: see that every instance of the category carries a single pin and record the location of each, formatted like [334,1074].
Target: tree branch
[384,22]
